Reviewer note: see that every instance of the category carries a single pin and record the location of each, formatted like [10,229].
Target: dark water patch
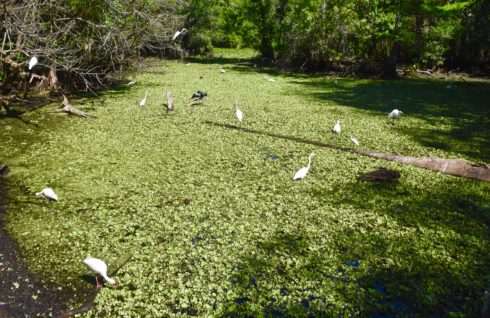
[23,293]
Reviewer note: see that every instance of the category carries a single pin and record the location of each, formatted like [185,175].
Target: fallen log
[424,72]
[455,167]
[66,107]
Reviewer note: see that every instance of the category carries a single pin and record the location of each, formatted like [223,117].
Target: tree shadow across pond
[354,284]
[455,120]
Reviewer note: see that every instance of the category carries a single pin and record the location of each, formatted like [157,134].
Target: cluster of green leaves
[215,223]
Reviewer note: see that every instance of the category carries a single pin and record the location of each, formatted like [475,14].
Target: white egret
[335,82]
[395,113]
[239,114]
[32,62]
[354,141]
[176,35]
[270,79]
[301,173]
[100,269]
[132,82]
[336,127]
[48,194]
[143,101]
[222,70]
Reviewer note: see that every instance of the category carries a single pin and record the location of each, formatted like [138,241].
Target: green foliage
[424,32]
[214,221]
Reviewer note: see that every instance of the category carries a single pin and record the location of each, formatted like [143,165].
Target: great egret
[395,113]
[132,82]
[354,141]
[336,127]
[48,194]
[176,35]
[270,79]
[32,62]
[143,101]
[100,269]
[239,114]
[301,173]
[222,70]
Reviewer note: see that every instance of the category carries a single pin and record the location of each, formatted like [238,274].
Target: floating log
[66,107]
[455,167]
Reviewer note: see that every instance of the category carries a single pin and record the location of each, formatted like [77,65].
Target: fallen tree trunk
[455,167]
[66,107]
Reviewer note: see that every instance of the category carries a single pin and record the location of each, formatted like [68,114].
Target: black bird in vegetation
[199,95]
[4,171]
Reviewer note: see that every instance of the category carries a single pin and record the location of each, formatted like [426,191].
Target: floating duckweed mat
[212,217]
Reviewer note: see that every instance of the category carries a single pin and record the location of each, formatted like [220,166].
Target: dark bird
[4,171]
[199,95]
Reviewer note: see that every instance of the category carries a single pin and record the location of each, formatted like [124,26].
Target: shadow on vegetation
[457,118]
[265,133]
[461,109]
[411,282]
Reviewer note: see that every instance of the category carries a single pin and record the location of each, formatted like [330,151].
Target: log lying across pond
[455,167]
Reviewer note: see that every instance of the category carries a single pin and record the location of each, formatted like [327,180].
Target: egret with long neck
[301,173]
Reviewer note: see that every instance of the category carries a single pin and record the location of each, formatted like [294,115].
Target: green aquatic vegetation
[212,217]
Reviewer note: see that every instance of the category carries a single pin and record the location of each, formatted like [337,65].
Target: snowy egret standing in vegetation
[176,35]
[301,173]
[336,127]
[100,269]
[394,113]
[239,114]
[143,101]
[354,141]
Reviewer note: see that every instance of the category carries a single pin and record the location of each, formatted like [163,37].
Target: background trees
[424,33]
[82,44]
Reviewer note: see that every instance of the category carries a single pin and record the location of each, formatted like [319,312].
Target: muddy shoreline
[22,294]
